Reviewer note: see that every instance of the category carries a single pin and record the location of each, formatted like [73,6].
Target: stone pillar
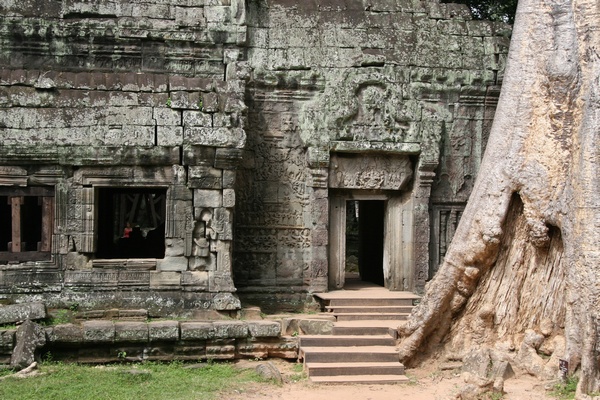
[315,277]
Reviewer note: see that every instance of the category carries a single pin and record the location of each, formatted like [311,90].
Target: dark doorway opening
[364,240]
[131,223]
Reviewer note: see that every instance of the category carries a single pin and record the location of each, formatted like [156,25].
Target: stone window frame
[442,231]
[46,197]
[139,191]
[91,179]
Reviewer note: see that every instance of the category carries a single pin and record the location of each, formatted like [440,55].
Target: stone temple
[175,155]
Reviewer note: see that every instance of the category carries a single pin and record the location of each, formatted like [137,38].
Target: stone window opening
[26,224]
[131,223]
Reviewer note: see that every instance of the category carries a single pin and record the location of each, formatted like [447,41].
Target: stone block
[220,349]
[210,102]
[169,135]
[174,247]
[230,329]
[198,155]
[223,223]
[195,280]
[98,331]
[65,333]
[187,16]
[197,330]
[284,348]
[165,280]
[20,312]
[217,13]
[320,237]
[226,301]
[208,263]
[264,328]
[315,326]
[184,351]
[228,198]
[204,177]
[269,372]
[217,137]
[120,135]
[197,118]
[29,338]
[7,338]
[185,100]
[229,179]
[171,264]
[131,331]
[251,348]
[221,120]
[477,362]
[228,158]
[208,198]
[502,369]
[163,331]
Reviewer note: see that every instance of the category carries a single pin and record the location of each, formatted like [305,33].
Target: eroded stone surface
[20,312]
[29,338]
[266,115]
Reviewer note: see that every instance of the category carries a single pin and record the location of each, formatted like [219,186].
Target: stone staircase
[362,346]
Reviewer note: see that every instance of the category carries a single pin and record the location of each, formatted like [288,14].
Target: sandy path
[424,385]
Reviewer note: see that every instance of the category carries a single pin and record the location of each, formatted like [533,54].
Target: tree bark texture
[525,259]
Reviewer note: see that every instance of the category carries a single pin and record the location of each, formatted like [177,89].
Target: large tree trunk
[522,273]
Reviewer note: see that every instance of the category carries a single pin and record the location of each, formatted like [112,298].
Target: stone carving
[256,239]
[359,106]
[226,301]
[369,172]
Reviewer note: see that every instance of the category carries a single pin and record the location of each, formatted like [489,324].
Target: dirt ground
[424,384]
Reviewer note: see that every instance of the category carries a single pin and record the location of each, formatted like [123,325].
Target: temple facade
[199,154]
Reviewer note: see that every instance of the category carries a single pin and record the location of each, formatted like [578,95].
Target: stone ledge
[103,331]
[20,312]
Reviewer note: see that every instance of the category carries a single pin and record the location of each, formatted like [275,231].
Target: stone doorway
[364,241]
[370,237]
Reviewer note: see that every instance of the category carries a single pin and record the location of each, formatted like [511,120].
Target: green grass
[172,381]
[565,391]
[298,373]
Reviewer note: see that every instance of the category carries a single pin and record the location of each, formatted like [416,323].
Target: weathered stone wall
[102,341]
[110,94]
[273,112]
[385,83]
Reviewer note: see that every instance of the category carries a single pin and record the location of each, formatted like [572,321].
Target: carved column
[316,275]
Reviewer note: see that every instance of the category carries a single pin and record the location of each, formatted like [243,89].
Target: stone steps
[358,316]
[356,368]
[340,354]
[370,309]
[364,327]
[362,346]
[346,340]
[366,379]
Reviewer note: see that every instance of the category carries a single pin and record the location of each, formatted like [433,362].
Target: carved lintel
[116,176]
[13,176]
[364,171]
[374,147]
[46,177]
